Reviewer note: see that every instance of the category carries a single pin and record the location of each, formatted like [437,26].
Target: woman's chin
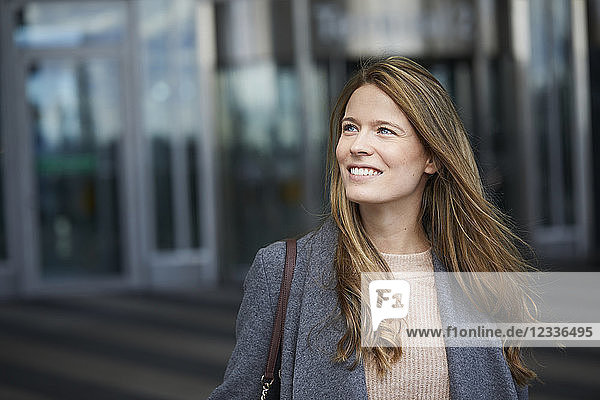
[365,199]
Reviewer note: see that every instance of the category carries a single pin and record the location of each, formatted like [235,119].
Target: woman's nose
[361,145]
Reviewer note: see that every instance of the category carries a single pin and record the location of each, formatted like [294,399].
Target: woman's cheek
[340,150]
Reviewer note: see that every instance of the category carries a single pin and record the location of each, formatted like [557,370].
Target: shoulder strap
[284,294]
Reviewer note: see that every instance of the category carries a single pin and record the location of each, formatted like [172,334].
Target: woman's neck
[392,231]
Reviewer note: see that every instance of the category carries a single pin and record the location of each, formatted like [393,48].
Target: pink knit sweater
[421,372]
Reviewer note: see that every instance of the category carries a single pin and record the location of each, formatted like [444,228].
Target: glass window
[75,116]
[262,161]
[262,135]
[2,211]
[552,91]
[69,23]
[170,119]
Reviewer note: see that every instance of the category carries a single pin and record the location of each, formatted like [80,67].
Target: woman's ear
[431,167]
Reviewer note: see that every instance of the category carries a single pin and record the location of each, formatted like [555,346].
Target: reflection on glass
[170,118]
[74,110]
[194,193]
[69,23]
[163,187]
[2,220]
[551,67]
[271,139]
[262,164]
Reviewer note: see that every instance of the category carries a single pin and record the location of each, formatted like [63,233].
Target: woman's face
[380,156]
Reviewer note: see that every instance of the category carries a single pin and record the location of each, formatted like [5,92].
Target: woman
[405,194]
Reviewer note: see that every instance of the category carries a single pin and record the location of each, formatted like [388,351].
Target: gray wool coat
[309,341]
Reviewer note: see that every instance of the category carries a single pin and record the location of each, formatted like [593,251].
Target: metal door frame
[143,265]
[23,202]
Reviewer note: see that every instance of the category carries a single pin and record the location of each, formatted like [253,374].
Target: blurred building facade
[159,144]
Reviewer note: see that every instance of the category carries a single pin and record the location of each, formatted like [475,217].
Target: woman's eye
[349,128]
[386,131]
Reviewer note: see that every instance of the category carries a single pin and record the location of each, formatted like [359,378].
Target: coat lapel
[315,375]
[473,372]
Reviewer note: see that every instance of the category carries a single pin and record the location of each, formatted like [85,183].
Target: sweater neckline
[420,262]
[421,254]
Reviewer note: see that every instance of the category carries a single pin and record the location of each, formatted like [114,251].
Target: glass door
[72,111]
[73,108]
[111,128]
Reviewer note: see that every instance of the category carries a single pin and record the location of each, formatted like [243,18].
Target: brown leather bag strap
[284,294]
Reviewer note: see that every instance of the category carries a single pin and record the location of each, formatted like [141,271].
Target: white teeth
[363,171]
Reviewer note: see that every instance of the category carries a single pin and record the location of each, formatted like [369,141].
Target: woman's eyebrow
[384,122]
[350,119]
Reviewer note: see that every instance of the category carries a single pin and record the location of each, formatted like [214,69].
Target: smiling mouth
[364,171]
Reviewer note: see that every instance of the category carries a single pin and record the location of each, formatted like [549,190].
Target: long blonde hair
[467,232]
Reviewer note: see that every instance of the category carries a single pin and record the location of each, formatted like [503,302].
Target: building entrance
[99,195]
